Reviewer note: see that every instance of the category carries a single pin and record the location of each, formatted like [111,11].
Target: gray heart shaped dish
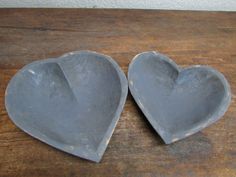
[71,103]
[177,102]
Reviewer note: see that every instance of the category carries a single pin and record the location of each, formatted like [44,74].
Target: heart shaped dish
[177,102]
[71,103]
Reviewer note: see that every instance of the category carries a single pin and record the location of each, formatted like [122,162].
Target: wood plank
[135,148]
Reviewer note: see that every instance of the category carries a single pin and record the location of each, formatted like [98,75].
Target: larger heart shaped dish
[177,102]
[71,103]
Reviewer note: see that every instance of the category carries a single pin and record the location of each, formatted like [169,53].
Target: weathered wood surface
[135,149]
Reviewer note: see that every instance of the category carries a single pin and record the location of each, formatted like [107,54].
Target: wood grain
[135,148]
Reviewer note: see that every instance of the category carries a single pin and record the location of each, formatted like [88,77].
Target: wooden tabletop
[135,149]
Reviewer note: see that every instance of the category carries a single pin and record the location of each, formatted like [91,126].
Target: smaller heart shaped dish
[177,102]
[72,103]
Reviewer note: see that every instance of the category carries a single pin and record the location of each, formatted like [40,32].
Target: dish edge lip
[96,156]
[167,137]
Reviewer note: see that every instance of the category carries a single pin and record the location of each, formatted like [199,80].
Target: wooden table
[135,148]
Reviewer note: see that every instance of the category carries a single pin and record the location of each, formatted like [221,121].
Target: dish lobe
[71,103]
[178,102]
